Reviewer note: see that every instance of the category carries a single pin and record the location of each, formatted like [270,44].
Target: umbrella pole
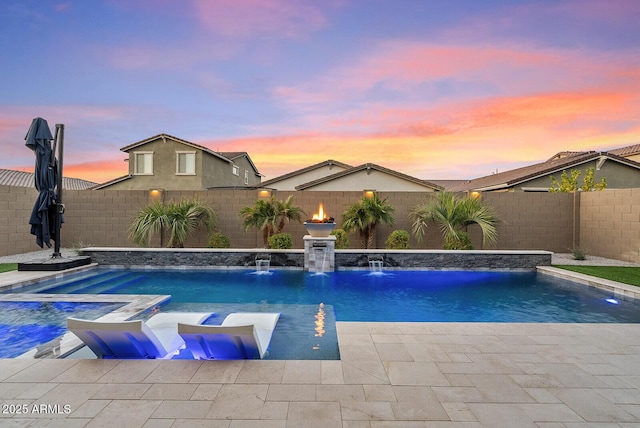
[59,142]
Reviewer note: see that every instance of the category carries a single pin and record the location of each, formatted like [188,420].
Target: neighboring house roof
[329,162]
[235,155]
[557,163]
[367,166]
[10,177]
[447,184]
[225,156]
[626,151]
[110,182]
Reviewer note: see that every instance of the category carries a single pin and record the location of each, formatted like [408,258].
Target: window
[236,170]
[185,163]
[246,177]
[143,163]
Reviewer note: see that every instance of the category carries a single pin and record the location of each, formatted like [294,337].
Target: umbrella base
[55,264]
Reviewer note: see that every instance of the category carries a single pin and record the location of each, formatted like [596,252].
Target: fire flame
[320,216]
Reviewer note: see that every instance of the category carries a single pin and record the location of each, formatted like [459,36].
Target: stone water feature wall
[344,259]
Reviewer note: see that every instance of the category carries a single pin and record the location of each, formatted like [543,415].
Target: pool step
[72,285]
[112,285]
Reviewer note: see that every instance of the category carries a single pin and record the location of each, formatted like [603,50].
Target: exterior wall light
[475,194]
[264,193]
[156,195]
[369,193]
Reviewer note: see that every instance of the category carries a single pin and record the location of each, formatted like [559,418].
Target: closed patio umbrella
[43,215]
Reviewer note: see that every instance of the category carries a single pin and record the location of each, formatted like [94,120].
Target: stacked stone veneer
[344,259]
[319,254]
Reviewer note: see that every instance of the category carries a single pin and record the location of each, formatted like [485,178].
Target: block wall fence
[605,223]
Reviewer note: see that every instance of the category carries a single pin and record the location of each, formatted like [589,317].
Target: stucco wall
[371,179]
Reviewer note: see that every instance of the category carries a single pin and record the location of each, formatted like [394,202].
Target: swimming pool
[311,304]
[395,296]
[26,325]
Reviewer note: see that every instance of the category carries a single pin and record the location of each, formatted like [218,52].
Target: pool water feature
[26,325]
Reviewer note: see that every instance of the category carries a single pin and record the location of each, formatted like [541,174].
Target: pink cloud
[241,19]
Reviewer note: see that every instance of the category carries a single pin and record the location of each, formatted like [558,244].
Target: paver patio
[390,375]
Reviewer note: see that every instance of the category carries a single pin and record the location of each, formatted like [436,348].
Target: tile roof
[559,162]
[10,177]
[626,151]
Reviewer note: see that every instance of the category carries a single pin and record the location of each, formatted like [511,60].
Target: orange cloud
[99,171]
[465,139]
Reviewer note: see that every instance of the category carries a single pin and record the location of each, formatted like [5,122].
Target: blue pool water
[311,304]
[438,296]
[25,325]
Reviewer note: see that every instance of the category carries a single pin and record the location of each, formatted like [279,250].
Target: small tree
[453,215]
[179,219]
[270,216]
[365,215]
[569,182]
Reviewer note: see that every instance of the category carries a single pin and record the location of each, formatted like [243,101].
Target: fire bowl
[319,230]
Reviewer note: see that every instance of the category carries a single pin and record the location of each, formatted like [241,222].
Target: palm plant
[285,212]
[453,215]
[270,216]
[179,219]
[365,215]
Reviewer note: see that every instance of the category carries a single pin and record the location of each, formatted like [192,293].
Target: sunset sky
[436,89]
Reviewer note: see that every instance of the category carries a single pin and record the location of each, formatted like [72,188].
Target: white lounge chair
[242,335]
[156,338]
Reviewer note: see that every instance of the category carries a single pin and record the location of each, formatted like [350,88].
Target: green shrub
[342,240]
[281,241]
[219,240]
[397,240]
[459,241]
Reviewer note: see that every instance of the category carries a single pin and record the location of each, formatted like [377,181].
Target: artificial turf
[624,274]
[6,267]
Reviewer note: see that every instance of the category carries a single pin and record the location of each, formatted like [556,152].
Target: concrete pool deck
[389,375]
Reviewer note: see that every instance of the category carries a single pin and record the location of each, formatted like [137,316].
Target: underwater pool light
[612,301]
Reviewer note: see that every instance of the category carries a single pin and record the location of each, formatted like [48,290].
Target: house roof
[626,151]
[368,166]
[295,173]
[235,155]
[557,163]
[110,182]
[225,156]
[10,177]
[447,184]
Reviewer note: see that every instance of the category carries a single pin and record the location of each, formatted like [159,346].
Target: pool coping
[620,290]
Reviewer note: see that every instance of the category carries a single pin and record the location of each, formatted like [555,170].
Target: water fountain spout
[376,263]
[263,263]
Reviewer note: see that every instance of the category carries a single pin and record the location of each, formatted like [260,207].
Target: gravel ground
[567,259]
[558,258]
[36,256]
